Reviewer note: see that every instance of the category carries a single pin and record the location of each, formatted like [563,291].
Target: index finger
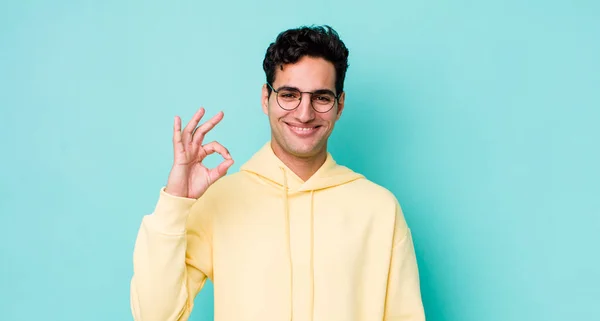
[212,147]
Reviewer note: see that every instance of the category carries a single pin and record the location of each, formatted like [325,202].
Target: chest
[325,226]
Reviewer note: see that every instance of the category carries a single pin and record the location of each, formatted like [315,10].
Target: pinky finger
[177,143]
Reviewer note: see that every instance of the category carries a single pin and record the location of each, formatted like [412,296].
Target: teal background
[481,116]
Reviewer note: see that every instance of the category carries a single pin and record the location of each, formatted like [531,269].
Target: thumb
[219,171]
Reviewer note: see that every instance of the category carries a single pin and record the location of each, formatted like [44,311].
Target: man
[292,235]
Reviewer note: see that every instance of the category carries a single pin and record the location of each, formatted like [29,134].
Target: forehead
[307,74]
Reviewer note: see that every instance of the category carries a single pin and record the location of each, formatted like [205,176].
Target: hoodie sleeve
[170,262]
[403,298]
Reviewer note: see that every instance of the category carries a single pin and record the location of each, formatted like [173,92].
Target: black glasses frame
[337,99]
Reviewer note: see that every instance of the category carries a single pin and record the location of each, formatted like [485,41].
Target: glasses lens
[288,98]
[323,102]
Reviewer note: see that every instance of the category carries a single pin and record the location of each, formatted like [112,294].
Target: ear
[265,99]
[341,102]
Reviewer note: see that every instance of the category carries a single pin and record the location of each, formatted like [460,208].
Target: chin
[300,147]
[303,150]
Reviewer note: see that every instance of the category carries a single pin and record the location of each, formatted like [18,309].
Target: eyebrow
[322,90]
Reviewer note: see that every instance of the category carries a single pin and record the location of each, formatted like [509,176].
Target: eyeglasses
[289,98]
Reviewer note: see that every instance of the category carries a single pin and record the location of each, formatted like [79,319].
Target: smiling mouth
[304,130]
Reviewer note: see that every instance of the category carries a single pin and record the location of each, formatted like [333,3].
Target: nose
[305,113]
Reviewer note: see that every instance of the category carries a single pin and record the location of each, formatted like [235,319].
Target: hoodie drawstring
[287,229]
[312,245]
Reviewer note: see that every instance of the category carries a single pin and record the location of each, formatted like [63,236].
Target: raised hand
[189,177]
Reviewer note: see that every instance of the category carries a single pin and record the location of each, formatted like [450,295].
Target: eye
[323,98]
[289,94]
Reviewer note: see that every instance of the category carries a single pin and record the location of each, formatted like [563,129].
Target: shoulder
[227,185]
[380,199]
[219,193]
[372,192]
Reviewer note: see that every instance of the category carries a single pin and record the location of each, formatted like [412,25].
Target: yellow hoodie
[335,247]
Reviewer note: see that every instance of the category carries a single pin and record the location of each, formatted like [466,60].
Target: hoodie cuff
[170,214]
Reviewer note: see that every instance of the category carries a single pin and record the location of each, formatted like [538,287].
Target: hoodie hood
[267,165]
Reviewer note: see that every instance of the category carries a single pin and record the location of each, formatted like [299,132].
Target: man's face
[302,132]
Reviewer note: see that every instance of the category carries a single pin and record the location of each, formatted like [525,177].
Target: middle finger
[189,128]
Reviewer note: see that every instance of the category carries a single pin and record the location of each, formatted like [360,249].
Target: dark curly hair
[314,41]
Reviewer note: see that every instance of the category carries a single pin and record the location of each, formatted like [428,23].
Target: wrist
[178,192]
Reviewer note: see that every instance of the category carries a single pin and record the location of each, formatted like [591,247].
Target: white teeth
[303,128]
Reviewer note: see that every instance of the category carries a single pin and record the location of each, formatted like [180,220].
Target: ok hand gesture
[189,177]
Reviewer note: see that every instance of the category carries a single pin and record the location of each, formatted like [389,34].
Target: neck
[304,167]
